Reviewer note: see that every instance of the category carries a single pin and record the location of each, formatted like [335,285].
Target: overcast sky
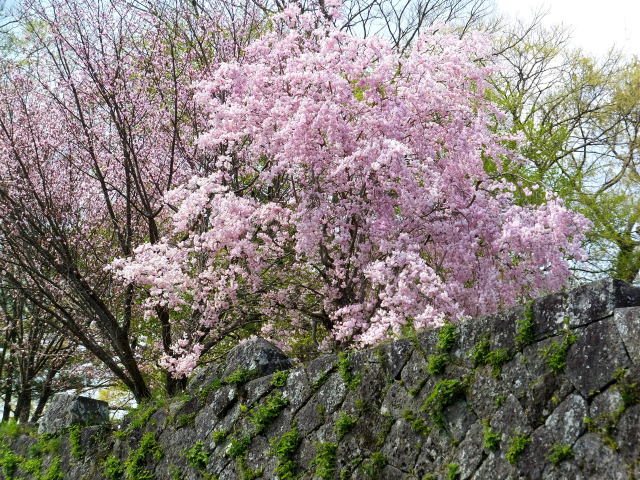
[596,25]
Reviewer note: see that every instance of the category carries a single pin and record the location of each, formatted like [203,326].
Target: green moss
[555,354]
[54,471]
[9,462]
[32,466]
[384,430]
[372,467]
[197,456]
[324,462]
[497,358]
[479,352]
[445,393]
[436,364]
[263,415]
[490,439]
[247,473]
[284,448]
[219,436]
[517,446]
[416,390]
[447,337]
[239,446]
[240,376]
[10,429]
[280,378]
[417,424]
[204,392]
[453,471]
[525,327]
[75,433]
[148,448]
[344,370]
[344,424]
[321,380]
[141,415]
[559,453]
[186,420]
[499,400]
[112,468]
[629,390]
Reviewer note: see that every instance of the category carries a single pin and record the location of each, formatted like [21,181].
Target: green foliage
[219,436]
[525,326]
[54,471]
[284,448]
[204,392]
[239,446]
[555,354]
[135,465]
[447,337]
[344,424]
[453,471]
[325,460]
[240,376]
[321,380]
[112,468]
[372,467]
[417,424]
[491,439]
[497,358]
[344,369]
[33,466]
[629,391]
[559,453]
[186,420]
[479,352]
[280,378]
[517,446]
[197,456]
[10,429]
[263,415]
[445,393]
[9,462]
[75,433]
[437,363]
[247,473]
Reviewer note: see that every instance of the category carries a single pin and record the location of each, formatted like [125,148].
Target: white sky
[596,25]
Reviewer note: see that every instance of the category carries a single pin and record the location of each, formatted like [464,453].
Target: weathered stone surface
[257,355]
[596,461]
[601,341]
[67,410]
[627,321]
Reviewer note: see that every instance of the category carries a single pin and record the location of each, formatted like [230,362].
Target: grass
[134,467]
[445,393]
[240,376]
[75,433]
[453,471]
[280,378]
[112,468]
[344,370]
[239,446]
[437,363]
[447,337]
[525,327]
[219,436]
[417,424]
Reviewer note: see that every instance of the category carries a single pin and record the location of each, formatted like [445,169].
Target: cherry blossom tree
[348,197]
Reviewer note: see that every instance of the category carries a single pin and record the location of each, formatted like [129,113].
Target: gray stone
[402,445]
[596,461]
[66,410]
[627,321]
[594,358]
[257,355]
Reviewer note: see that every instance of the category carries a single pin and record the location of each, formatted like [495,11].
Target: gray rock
[627,321]
[593,360]
[258,355]
[596,461]
[66,410]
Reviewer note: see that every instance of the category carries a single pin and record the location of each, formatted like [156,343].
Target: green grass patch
[490,439]
[240,376]
[239,446]
[453,471]
[447,337]
[197,456]
[436,364]
[219,436]
[135,465]
[525,327]
[112,468]
[555,354]
[344,370]
[445,393]
[280,378]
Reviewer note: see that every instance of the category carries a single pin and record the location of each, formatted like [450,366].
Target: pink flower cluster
[349,192]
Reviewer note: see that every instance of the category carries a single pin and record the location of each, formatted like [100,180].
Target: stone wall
[546,391]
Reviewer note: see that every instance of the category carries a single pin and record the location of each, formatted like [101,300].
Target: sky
[596,25]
